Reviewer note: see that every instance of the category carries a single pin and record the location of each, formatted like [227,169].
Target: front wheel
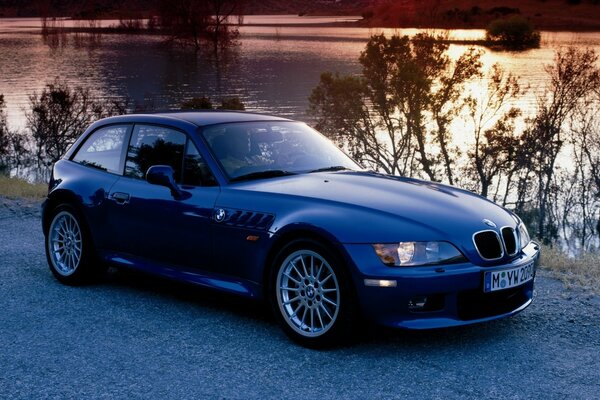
[70,254]
[312,297]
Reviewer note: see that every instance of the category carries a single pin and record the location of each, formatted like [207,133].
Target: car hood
[441,208]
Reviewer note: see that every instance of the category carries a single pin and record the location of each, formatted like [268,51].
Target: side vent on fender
[249,219]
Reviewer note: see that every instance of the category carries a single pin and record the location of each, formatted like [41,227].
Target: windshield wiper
[328,169]
[270,173]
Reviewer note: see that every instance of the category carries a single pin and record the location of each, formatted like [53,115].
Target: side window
[154,145]
[195,170]
[103,149]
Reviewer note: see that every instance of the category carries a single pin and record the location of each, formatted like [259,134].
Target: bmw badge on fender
[267,208]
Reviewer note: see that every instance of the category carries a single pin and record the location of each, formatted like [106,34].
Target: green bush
[514,32]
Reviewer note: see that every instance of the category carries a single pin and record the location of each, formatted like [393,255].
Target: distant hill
[111,8]
[545,14]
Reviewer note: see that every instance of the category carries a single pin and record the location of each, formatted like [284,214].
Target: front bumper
[454,293]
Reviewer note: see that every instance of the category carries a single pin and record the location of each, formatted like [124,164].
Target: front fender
[352,224]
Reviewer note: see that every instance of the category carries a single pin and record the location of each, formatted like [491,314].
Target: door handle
[120,197]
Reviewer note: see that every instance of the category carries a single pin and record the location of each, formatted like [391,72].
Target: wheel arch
[57,198]
[301,232]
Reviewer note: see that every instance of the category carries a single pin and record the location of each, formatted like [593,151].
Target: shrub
[197,103]
[233,103]
[514,32]
[582,270]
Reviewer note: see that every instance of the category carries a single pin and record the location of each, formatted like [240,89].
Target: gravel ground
[139,337]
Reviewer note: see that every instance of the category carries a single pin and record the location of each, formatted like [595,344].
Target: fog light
[380,283]
[417,303]
[432,302]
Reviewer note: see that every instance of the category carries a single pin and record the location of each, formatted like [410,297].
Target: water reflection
[273,70]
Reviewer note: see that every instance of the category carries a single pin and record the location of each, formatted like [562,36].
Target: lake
[273,69]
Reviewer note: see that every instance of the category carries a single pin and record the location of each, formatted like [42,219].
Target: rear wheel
[311,295]
[70,253]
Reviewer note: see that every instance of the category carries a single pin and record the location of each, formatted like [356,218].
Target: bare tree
[184,21]
[400,109]
[15,147]
[446,102]
[573,78]
[4,138]
[493,119]
[224,27]
[193,22]
[59,114]
[340,104]
[585,141]
[20,154]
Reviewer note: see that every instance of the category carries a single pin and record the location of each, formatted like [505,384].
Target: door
[146,220]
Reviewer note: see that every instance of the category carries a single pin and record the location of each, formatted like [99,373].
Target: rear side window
[154,145]
[103,149]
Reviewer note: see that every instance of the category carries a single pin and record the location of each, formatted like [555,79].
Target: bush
[513,32]
[197,103]
[233,103]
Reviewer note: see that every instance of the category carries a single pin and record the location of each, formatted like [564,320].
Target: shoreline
[121,31]
[573,26]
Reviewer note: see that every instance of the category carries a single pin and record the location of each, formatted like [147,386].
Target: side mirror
[162,175]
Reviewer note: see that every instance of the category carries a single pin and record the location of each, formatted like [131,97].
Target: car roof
[200,117]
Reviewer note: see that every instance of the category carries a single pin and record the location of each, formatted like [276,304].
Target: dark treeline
[192,23]
[195,24]
[403,113]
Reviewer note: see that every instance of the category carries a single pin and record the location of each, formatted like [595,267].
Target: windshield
[265,149]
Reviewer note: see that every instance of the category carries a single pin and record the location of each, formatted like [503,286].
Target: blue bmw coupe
[268,208]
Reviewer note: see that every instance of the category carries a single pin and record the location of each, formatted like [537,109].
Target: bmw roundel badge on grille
[489,223]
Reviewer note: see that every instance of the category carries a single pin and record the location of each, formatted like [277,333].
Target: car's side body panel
[86,188]
[159,228]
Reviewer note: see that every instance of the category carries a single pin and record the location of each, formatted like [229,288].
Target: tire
[311,295]
[69,249]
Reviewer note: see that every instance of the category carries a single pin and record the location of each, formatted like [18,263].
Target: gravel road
[139,337]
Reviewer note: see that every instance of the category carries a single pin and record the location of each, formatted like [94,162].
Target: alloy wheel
[65,243]
[308,293]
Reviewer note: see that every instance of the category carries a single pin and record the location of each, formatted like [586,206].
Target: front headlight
[524,238]
[418,253]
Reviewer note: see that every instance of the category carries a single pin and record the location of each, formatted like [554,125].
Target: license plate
[507,278]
